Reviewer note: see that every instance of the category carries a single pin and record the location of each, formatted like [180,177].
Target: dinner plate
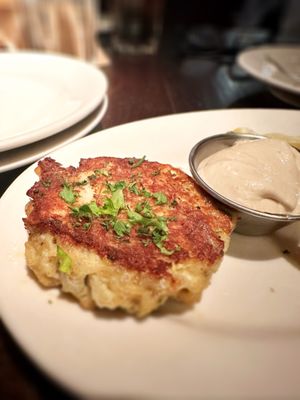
[24,155]
[241,341]
[275,65]
[42,94]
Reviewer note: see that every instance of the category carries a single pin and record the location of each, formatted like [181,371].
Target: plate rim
[89,124]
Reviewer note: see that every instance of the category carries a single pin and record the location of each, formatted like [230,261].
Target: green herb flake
[163,250]
[86,210]
[46,183]
[160,197]
[146,242]
[144,231]
[64,260]
[144,208]
[134,217]
[156,172]
[145,193]
[174,203]
[80,183]
[121,228]
[106,223]
[92,177]
[102,171]
[113,187]
[159,235]
[86,226]
[134,163]
[93,208]
[118,201]
[133,188]
[67,194]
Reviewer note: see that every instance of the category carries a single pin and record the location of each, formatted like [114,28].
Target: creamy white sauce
[260,174]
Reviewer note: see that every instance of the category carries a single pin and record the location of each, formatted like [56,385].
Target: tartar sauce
[260,174]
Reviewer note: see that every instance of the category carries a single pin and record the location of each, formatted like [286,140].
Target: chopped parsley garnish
[67,194]
[64,260]
[117,216]
[151,225]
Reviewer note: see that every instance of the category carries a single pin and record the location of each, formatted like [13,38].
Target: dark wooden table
[139,87]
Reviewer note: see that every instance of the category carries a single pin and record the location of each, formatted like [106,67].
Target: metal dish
[249,221]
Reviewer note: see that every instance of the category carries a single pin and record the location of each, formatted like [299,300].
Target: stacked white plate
[46,102]
[278,67]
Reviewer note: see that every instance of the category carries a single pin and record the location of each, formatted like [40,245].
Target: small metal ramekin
[249,221]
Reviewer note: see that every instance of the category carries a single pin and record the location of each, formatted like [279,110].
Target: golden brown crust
[196,228]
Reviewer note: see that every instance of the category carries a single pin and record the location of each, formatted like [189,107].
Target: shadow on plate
[288,240]
[284,242]
[256,248]
[243,330]
[170,308]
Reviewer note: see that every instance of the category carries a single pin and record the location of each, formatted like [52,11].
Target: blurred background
[220,27]
[192,43]
[199,39]
[199,43]
[206,27]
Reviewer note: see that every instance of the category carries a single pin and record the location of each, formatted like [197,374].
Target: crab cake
[123,233]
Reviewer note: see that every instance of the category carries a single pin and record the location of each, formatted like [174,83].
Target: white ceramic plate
[42,94]
[275,65]
[24,155]
[242,341]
